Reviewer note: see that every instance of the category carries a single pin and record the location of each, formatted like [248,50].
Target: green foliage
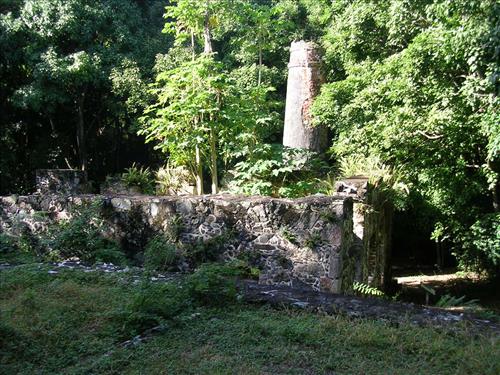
[173,180]
[482,245]
[161,255]
[404,79]
[213,284]
[243,269]
[450,301]
[83,236]
[414,85]
[76,322]
[366,290]
[141,178]
[277,171]
[200,110]
[68,64]
[205,251]
[384,179]
[209,106]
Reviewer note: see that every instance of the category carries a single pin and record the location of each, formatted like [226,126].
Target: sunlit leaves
[415,84]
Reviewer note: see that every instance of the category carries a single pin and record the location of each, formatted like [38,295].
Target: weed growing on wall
[314,240]
[171,180]
[288,235]
[204,251]
[82,236]
[174,228]
[161,255]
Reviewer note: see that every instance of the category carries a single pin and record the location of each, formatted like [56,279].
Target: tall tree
[199,105]
[416,84]
[68,51]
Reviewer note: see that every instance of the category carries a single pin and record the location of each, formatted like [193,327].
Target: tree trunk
[207,35]
[193,51]
[197,162]
[80,134]
[117,146]
[439,255]
[213,160]
[260,66]
[495,189]
[199,171]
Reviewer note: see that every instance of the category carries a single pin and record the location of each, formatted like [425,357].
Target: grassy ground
[73,323]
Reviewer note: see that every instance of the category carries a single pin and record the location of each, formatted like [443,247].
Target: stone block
[60,181]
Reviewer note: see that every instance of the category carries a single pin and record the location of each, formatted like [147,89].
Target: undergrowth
[75,322]
[83,235]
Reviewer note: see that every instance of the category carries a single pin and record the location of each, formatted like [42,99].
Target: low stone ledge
[357,307]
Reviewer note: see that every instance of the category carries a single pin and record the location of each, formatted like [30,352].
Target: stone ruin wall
[372,229]
[61,181]
[301,242]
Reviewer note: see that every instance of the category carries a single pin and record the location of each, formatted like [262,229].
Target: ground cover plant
[74,322]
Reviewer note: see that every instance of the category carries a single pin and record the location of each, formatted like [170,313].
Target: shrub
[152,305]
[173,180]
[207,251]
[140,178]
[482,245]
[157,304]
[7,244]
[161,255]
[83,236]
[278,171]
[213,284]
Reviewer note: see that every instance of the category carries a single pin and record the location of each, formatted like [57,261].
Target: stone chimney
[304,83]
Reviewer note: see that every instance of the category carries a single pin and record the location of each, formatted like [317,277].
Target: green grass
[65,324]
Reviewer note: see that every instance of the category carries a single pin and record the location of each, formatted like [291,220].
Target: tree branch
[429,136]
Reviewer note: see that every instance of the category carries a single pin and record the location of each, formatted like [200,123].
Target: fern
[367,290]
[450,301]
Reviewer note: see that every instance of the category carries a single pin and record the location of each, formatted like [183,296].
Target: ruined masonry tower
[304,82]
